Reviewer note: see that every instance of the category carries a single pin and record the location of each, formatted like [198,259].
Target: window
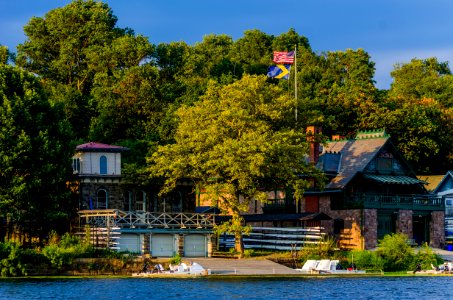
[384,162]
[76,165]
[103,165]
[128,201]
[140,201]
[101,202]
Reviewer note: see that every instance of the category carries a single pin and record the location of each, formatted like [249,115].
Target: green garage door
[195,245]
[130,243]
[162,245]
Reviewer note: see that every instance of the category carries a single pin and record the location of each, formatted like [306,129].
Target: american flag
[283,57]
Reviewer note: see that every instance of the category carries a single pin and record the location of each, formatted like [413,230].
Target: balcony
[110,218]
[408,202]
[279,206]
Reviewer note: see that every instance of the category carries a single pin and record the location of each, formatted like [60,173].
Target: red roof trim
[94,146]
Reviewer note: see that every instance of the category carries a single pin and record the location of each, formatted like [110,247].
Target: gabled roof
[99,147]
[355,156]
[447,179]
[432,181]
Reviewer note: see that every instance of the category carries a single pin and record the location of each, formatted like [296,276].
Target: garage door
[162,245]
[130,243]
[195,245]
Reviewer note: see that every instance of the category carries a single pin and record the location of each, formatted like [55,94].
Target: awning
[279,217]
[316,217]
[389,179]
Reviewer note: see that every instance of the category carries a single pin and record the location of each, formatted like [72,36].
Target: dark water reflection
[207,288]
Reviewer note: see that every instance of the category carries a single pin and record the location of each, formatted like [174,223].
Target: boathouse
[130,217]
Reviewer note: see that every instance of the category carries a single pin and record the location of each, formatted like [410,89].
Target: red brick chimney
[338,137]
[313,136]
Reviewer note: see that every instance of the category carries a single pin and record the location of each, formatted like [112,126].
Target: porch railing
[135,219]
[410,202]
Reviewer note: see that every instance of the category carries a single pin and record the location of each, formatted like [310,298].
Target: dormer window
[384,162]
[103,165]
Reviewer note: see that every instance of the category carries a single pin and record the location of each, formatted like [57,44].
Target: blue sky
[391,31]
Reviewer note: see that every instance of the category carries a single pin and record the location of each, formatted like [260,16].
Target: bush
[249,253]
[325,248]
[14,260]
[366,260]
[175,260]
[396,253]
[426,258]
[68,248]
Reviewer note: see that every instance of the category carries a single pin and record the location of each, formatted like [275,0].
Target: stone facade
[90,187]
[436,229]
[404,223]
[370,228]
[350,234]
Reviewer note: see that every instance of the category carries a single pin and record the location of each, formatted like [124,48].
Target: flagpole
[295,79]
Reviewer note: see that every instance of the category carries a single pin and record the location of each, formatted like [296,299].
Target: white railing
[135,219]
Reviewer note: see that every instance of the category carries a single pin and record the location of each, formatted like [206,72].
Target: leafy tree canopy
[234,143]
[35,153]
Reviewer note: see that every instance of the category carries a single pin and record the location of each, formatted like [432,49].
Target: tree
[35,156]
[419,79]
[5,55]
[252,53]
[69,46]
[234,143]
[336,90]
[421,130]
[418,114]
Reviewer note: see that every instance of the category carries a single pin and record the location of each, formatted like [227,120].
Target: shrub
[396,253]
[426,258]
[12,259]
[249,253]
[325,248]
[68,248]
[175,260]
[366,260]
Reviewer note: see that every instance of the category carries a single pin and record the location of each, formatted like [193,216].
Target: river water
[383,288]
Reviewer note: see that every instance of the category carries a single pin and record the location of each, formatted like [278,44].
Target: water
[211,288]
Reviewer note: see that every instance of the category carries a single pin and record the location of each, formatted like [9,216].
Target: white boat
[326,266]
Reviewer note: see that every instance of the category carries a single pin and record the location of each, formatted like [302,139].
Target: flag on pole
[284,57]
[279,71]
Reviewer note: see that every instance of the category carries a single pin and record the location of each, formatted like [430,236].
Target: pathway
[247,266]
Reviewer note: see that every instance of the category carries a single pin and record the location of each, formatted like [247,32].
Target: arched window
[103,165]
[102,199]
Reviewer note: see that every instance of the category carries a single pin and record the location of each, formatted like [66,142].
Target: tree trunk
[239,243]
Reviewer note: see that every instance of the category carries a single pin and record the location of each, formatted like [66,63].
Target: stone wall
[89,188]
[436,229]
[370,228]
[404,223]
[359,226]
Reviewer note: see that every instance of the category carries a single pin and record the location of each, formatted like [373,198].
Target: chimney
[338,137]
[313,136]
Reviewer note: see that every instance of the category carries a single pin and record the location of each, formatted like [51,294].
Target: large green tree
[422,78]
[418,114]
[234,143]
[69,46]
[336,90]
[35,154]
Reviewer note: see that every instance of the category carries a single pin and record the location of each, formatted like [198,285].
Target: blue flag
[279,71]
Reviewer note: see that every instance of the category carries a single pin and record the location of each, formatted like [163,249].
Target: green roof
[391,179]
